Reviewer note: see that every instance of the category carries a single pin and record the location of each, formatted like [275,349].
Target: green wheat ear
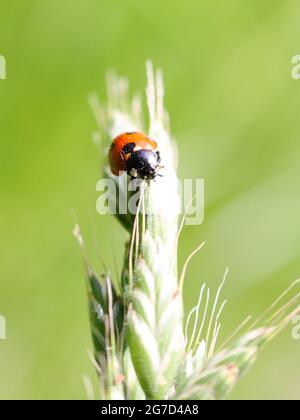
[140,349]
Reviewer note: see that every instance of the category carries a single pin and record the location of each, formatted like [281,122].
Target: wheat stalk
[141,351]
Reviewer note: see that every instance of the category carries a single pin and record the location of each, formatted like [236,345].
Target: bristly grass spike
[142,348]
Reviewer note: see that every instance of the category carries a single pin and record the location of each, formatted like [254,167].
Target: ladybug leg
[159,167]
[133,173]
[158,157]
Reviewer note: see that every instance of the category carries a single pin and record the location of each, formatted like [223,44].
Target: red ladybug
[136,154]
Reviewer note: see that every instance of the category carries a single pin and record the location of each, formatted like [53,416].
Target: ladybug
[136,154]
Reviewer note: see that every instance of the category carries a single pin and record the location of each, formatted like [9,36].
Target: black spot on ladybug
[129,148]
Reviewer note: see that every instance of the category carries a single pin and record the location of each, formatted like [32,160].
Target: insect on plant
[145,347]
[136,154]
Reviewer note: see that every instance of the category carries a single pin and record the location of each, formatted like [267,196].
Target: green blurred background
[235,112]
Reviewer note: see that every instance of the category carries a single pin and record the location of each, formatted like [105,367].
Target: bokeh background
[235,112]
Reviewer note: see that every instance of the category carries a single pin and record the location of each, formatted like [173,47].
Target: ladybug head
[143,164]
